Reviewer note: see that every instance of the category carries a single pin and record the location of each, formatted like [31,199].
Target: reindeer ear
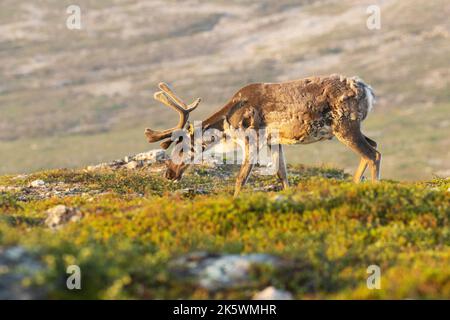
[166,144]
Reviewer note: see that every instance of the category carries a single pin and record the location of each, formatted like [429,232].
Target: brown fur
[302,111]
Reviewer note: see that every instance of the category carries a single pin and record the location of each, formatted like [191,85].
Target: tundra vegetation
[325,231]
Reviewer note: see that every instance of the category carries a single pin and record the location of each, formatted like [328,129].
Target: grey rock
[37,184]
[133,161]
[133,165]
[215,272]
[152,156]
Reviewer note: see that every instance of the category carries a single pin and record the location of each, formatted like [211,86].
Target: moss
[326,229]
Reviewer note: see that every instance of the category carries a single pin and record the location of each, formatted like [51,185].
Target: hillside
[135,235]
[73,98]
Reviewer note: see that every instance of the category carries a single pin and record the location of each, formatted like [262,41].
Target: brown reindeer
[301,111]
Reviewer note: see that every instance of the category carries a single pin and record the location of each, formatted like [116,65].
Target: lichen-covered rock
[221,271]
[60,215]
[152,156]
[133,165]
[133,162]
[37,184]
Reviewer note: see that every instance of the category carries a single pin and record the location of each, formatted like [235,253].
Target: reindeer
[301,111]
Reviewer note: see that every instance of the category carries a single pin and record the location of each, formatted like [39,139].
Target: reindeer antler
[170,99]
[165,87]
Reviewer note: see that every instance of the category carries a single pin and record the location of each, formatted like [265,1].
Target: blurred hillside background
[75,97]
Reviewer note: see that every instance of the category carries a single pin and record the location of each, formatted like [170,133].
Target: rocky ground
[149,163]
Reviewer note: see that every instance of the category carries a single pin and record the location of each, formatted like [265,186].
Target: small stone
[60,215]
[37,183]
[152,155]
[271,293]
[133,165]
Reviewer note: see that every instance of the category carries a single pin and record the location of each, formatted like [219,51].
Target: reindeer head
[174,169]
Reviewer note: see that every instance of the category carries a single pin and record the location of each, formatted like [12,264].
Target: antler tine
[193,105]
[167,90]
[165,87]
[160,96]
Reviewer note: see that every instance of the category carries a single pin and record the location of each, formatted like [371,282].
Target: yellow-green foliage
[326,229]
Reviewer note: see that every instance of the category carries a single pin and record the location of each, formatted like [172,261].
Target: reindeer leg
[375,170]
[280,161]
[352,137]
[360,171]
[246,168]
[363,163]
